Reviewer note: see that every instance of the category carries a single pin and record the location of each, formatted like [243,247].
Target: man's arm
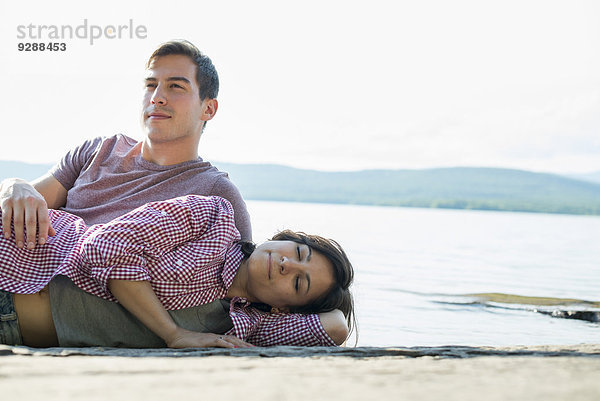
[52,191]
[139,298]
[26,205]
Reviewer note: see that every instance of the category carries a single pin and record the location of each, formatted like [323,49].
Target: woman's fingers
[192,339]
[231,342]
[223,343]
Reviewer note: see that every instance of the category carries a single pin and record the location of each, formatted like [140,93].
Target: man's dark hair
[206,73]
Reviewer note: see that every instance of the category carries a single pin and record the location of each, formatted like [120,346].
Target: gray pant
[85,320]
[9,326]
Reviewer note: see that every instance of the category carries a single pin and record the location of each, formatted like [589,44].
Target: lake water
[414,268]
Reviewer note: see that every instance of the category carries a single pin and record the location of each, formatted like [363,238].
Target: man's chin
[155,132]
[156,136]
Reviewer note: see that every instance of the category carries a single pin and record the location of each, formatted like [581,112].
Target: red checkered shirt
[186,247]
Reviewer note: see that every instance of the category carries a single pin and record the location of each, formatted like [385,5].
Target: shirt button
[179,263]
[162,212]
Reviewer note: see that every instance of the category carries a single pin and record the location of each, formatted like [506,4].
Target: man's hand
[27,209]
[190,339]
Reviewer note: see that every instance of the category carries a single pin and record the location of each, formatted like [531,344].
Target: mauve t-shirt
[107,177]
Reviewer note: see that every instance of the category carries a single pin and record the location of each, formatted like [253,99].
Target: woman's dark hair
[339,296]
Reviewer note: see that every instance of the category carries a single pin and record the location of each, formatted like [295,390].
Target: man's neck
[169,153]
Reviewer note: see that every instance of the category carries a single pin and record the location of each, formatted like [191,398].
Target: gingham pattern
[186,247]
[270,329]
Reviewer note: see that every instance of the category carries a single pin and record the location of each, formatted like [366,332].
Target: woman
[164,262]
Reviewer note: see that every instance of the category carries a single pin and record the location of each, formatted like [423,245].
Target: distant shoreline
[458,188]
[418,206]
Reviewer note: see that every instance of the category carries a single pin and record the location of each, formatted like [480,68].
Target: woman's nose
[287,265]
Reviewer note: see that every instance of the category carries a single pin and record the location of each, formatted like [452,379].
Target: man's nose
[158,97]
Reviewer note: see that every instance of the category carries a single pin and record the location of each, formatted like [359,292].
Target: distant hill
[454,188]
[591,177]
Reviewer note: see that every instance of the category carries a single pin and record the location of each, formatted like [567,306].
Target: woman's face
[283,274]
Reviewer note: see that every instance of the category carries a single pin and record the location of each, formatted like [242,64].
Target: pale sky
[326,85]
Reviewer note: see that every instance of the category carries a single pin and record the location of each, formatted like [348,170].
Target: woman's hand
[183,338]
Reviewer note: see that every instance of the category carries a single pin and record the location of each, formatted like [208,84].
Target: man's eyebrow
[170,79]
[184,79]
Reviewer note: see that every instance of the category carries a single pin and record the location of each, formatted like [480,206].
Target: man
[107,177]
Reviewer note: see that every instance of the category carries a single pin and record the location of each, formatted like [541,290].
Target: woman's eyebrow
[308,275]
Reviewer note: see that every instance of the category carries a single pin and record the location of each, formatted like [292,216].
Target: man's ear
[280,310]
[210,107]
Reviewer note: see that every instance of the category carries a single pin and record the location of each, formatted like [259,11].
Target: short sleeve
[68,169]
[226,189]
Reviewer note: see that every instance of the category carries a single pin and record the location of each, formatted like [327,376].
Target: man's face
[171,108]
